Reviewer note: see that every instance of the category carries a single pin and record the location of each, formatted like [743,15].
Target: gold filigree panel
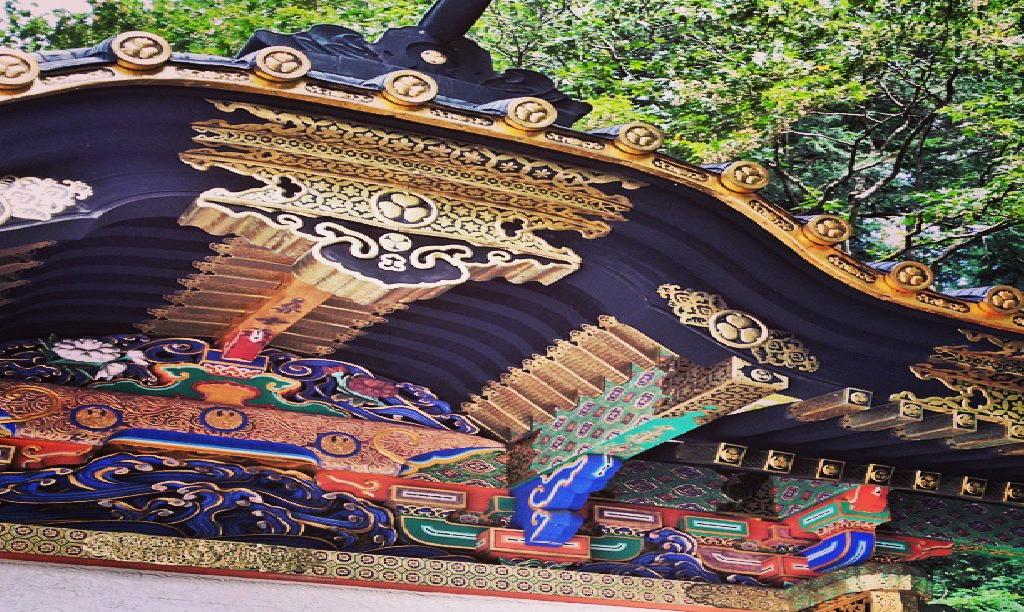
[738,329]
[989,383]
[347,177]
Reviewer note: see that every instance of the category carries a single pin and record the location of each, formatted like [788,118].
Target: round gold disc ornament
[17,69]
[639,138]
[530,113]
[140,50]
[737,329]
[1003,300]
[827,230]
[909,277]
[744,177]
[409,88]
[281,64]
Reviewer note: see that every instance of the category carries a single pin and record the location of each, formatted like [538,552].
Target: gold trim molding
[226,558]
[772,218]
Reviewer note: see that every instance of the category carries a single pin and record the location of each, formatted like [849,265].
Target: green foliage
[905,116]
[974,583]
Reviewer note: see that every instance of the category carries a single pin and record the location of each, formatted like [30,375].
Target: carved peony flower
[89,350]
[372,387]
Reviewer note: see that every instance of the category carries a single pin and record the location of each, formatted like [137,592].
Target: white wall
[45,587]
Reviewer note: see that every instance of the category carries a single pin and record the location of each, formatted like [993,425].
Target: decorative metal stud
[827,230]
[829,469]
[730,454]
[778,462]
[409,88]
[140,50]
[878,474]
[1003,300]
[973,487]
[744,177]
[281,64]
[926,481]
[433,56]
[17,69]
[639,138]
[909,277]
[530,113]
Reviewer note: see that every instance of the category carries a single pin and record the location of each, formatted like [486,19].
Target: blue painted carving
[197,499]
[840,550]
[676,559]
[547,506]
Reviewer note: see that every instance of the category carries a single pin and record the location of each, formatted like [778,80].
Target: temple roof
[97,139]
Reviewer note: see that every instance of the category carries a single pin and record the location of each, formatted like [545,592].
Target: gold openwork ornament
[909,277]
[829,469]
[978,380]
[281,64]
[738,329]
[1003,300]
[409,88]
[827,230]
[926,481]
[17,69]
[140,50]
[530,113]
[744,177]
[38,199]
[878,474]
[639,138]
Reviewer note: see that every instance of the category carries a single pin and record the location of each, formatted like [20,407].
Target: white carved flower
[110,370]
[89,350]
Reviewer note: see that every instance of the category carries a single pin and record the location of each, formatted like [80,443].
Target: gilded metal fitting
[140,50]
[17,69]
[744,177]
[409,88]
[909,277]
[1003,300]
[973,487]
[878,474]
[926,481]
[778,461]
[829,469]
[639,138]
[281,64]
[1014,492]
[827,230]
[530,113]
[730,454]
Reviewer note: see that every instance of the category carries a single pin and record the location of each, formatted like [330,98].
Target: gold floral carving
[738,329]
[988,383]
[38,199]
